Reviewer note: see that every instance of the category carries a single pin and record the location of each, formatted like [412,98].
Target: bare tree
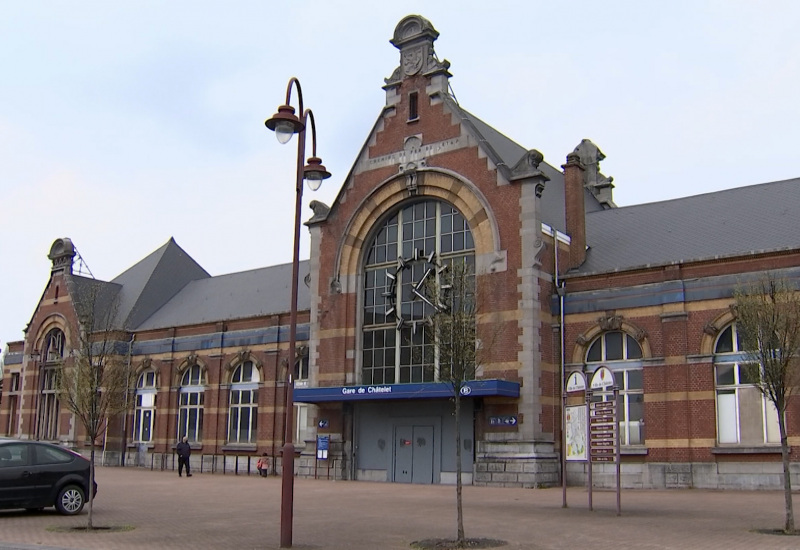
[453,329]
[93,380]
[768,322]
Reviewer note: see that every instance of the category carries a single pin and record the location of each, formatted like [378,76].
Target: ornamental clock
[415,290]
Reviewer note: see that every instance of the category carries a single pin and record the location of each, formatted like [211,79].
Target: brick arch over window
[240,358]
[447,186]
[713,328]
[52,322]
[146,365]
[583,341]
[187,363]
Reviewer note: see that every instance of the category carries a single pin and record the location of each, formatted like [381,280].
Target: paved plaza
[215,511]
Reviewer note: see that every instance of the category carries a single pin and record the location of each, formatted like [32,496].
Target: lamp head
[314,172]
[284,123]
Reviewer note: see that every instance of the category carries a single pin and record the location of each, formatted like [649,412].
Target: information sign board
[323,443]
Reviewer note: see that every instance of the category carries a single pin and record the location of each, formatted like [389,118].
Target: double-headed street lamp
[284,123]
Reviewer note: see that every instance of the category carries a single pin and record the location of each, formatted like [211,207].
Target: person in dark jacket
[184,452]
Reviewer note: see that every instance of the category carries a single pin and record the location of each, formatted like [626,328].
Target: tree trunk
[459,508]
[788,527]
[90,488]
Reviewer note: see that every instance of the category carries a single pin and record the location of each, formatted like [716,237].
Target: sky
[123,124]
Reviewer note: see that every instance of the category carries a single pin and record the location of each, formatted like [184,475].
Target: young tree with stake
[768,322]
[93,380]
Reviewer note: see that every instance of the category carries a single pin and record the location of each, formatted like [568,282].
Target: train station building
[569,282]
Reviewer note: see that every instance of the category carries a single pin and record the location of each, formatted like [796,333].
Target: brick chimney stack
[575,209]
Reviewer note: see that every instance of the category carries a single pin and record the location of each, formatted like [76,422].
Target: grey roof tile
[723,223]
[255,293]
[151,282]
[509,152]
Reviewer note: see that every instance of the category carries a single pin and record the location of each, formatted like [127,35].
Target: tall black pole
[287,460]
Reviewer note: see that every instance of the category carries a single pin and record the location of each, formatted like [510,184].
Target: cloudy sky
[123,124]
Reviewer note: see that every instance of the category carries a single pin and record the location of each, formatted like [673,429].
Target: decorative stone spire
[62,253]
[414,37]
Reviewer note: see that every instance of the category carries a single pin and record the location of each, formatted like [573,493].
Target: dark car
[35,475]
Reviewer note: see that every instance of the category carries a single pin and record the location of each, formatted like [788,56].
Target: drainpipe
[123,439]
[274,412]
[561,290]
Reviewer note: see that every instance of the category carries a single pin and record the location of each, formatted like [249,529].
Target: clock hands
[418,289]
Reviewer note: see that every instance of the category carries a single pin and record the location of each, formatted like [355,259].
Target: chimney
[599,185]
[574,209]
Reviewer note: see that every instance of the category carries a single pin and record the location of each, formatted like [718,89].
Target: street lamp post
[284,123]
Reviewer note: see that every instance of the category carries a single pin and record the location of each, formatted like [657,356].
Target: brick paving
[214,511]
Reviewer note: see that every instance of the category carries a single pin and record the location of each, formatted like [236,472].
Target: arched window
[243,410]
[621,353]
[145,409]
[407,248]
[49,407]
[190,411]
[53,346]
[744,415]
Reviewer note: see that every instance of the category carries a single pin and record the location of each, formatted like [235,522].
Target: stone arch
[436,184]
[52,321]
[143,366]
[609,324]
[189,361]
[713,328]
[241,357]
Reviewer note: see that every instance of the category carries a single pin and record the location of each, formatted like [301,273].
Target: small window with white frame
[145,407]
[301,367]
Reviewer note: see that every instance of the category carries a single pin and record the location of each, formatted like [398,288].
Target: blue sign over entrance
[473,388]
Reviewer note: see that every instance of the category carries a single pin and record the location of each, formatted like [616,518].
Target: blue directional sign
[507,420]
[473,388]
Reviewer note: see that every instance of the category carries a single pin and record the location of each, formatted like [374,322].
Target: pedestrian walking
[262,465]
[184,452]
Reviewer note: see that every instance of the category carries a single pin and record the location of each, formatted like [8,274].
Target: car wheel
[70,500]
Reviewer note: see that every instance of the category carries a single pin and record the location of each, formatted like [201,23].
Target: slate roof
[509,153]
[96,300]
[151,282]
[725,223]
[240,295]
[739,221]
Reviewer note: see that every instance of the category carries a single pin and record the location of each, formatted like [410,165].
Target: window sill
[136,445]
[239,447]
[765,449]
[633,451]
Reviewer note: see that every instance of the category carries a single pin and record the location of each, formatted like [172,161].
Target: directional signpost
[573,443]
[603,426]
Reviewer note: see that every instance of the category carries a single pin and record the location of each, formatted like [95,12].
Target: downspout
[223,417]
[274,411]
[172,406]
[561,290]
[127,393]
